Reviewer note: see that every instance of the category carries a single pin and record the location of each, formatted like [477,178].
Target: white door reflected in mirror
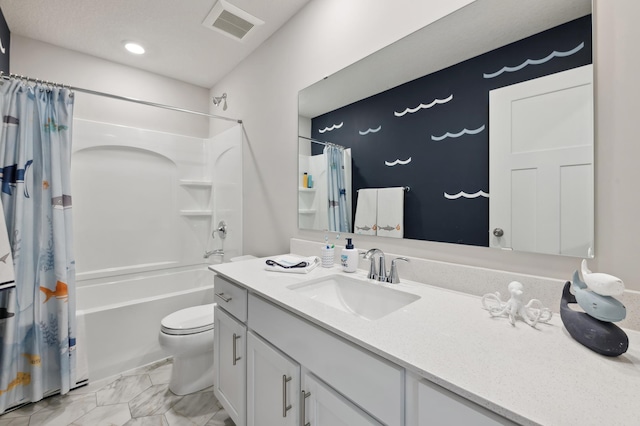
[541,164]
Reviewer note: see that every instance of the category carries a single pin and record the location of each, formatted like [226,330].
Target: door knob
[498,232]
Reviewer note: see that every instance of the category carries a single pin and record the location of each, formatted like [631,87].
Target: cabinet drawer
[231,297]
[438,406]
[325,407]
[371,382]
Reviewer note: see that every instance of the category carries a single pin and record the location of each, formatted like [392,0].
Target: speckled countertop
[531,376]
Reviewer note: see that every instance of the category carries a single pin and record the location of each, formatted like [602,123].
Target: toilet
[187,335]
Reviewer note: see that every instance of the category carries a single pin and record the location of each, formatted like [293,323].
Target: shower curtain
[338,210]
[37,343]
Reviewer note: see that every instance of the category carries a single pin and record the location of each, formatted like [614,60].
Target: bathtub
[119,319]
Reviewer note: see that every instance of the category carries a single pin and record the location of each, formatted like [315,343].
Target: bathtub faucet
[216,252]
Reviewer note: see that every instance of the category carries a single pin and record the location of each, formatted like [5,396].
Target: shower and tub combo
[144,290]
[144,204]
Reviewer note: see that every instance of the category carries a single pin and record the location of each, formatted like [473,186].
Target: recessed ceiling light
[134,48]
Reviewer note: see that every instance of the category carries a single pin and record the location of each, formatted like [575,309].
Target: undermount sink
[362,299]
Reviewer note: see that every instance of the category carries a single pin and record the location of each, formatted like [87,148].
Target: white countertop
[529,375]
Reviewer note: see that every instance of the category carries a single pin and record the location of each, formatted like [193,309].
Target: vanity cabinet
[358,380]
[273,385]
[275,368]
[276,393]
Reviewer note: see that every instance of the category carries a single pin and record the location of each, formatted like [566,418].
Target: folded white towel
[391,212]
[292,264]
[366,212]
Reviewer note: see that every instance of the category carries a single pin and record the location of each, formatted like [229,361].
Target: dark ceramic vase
[602,337]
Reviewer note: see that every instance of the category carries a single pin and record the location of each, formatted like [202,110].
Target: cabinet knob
[498,232]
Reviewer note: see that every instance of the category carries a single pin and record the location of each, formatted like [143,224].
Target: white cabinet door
[322,406]
[273,385]
[230,365]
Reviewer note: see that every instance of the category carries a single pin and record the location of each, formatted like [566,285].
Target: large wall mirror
[476,129]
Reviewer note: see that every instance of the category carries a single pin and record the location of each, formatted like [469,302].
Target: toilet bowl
[187,335]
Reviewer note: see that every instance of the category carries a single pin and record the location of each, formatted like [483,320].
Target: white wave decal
[465,195]
[554,54]
[423,106]
[366,132]
[395,163]
[457,135]
[328,129]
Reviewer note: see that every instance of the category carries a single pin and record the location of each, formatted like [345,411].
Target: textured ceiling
[177,43]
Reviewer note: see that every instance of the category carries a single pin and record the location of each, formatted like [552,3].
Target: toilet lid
[189,321]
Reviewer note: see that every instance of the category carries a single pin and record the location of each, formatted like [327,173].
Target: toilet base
[191,373]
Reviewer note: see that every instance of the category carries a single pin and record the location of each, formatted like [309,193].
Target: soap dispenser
[349,257]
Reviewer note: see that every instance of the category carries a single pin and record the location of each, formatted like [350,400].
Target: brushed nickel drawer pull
[226,299]
[235,358]
[305,395]
[285,407]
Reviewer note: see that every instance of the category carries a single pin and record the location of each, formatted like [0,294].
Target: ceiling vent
[231,20]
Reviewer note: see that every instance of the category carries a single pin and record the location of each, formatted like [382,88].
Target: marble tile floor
[139,397]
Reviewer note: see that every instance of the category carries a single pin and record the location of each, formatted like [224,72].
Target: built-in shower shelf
[301,189]
[195,212]
[307,211]
[196,183]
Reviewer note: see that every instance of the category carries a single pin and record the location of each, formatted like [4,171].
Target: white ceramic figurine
[603,284]
[532,313]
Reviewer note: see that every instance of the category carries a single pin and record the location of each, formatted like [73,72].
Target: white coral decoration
[532,313]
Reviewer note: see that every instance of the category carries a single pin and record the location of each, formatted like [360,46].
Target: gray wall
[47,62]
[328,35]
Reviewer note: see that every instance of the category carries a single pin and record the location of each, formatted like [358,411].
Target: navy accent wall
[440,123]
[5,44]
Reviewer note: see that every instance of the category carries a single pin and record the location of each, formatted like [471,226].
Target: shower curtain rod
[322,143]
[112,96]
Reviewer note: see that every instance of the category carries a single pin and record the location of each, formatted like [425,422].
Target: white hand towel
[365,223]
[391,212]
[292,264]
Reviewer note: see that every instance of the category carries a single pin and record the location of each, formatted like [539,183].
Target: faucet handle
[393,274]
[382,270]
[373,273]
[369,254]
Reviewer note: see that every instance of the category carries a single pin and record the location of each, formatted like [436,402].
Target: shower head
[217,100]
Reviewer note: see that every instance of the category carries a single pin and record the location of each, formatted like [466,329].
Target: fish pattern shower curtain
[338,215]
[37,343]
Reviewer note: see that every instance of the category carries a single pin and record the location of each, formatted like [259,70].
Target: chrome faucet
[373,273]
[380,274]
[216,252]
